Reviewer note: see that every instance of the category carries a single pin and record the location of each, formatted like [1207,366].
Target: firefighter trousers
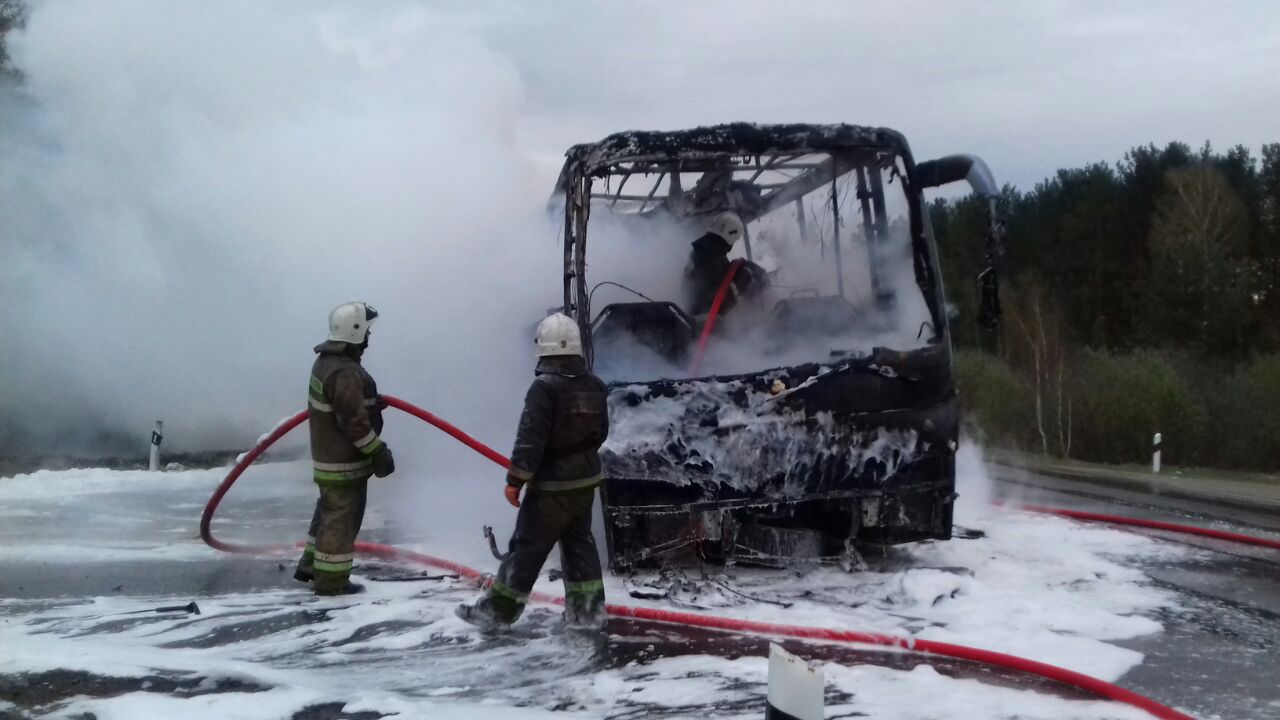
[331,542]
[546,518]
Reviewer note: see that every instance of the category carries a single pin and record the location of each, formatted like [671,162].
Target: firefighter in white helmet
[556,461]
[346,448]
[709,263]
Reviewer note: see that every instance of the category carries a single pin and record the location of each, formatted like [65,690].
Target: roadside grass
[1135,470]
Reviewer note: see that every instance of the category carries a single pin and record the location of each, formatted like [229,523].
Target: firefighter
[709,262]
[556,460]
[346,420]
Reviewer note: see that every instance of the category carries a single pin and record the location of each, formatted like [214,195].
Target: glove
[383,463]
[381,404]
[752,279]
[513,494]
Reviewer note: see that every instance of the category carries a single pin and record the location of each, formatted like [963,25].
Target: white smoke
[181,181]
[648,256]
[187,189]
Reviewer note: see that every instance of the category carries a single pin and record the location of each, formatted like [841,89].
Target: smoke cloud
[187,190]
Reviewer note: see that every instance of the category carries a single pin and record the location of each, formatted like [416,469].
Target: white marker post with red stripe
[156,436]
[1155,454]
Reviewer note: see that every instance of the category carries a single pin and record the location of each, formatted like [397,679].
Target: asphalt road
[1217,656]
[1220,653]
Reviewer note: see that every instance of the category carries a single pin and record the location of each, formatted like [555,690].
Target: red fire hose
[1156,525]
[247,459]
[721,293]
[1011,662]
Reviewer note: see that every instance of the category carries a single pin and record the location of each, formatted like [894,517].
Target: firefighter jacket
[564,423]
[708,264]
[345,416]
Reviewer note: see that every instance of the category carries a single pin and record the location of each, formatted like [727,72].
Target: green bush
[1209,415]
[995,399]
[1120,401]
[1245,422]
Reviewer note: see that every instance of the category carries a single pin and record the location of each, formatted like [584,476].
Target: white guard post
[796,688]
[1155,454]
[156,436]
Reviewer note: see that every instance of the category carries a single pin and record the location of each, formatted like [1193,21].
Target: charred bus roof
[783,162]
[640,146]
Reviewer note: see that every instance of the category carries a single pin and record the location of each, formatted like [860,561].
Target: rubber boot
[349,589]
[480,616]
[585,613]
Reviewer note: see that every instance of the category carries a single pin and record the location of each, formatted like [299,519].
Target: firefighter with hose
[346,420]
[556,461]
[709,263]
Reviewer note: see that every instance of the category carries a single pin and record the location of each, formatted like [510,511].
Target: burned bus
[802,420]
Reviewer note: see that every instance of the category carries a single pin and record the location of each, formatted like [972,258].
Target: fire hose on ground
[1002,660]
[1214,533]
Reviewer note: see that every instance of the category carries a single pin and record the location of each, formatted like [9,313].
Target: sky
[1031,87]
[187,188]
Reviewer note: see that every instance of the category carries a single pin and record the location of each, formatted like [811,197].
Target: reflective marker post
[1155,454]
[796,688]
[156,436]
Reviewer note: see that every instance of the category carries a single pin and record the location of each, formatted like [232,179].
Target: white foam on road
[64,485]
[1041,587]
[525,678]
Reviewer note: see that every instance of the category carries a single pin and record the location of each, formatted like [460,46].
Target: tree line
[1139,297]
[11,12]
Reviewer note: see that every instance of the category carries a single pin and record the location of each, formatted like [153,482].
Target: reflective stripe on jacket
[345,419]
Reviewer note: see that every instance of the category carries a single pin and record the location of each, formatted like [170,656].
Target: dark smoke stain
[39,691]
[333,711]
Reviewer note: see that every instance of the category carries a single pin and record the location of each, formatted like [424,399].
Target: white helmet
[728,226]
[558,335]
[350,322]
